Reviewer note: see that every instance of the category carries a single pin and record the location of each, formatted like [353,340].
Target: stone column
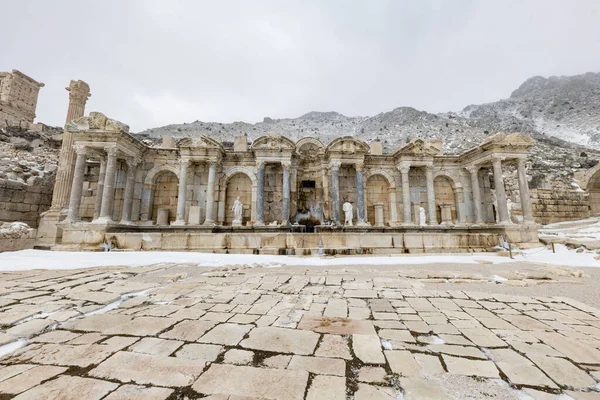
[432,214]
[209,218]
[393,207]
[128,195]
[360,195]
[260,193]
[500,192]
[458,199]
[474,171]
[77,186]
[404,169]
[378,210]
[285,206]
[181,193]
[79,92]
[100,188]
[334,184]
[524,192]
[108,194]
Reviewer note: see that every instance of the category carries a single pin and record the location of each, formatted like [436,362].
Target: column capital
[260,163]
[133,161]
[403,167]
[286,164]
[359,166]
[111,150]
[335,166]
[80,149]
[521,162]
[429,168]
[473,169]
[497,160]
[185,162]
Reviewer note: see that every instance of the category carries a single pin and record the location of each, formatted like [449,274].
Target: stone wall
[559,205]
[18,99]
[25,202]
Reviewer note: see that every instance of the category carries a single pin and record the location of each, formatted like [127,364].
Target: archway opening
[378,189]
[238,185]
[165,194]
[445,202]
[594,190]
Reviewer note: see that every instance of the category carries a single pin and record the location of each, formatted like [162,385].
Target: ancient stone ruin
[114,189]
[18,99]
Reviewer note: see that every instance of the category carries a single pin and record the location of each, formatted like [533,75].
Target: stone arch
[156,171]
[238,185]
[445,199]
[454,180]
[165,193]
[384,173]
[593,188]
[227,199]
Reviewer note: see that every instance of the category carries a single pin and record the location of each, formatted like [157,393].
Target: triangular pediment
[421,147]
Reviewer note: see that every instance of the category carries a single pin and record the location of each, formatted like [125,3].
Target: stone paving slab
[236,333]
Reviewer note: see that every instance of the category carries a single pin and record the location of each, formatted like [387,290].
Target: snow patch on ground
[38,259]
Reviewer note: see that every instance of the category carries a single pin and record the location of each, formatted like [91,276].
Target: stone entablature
[18,99]
[117,179]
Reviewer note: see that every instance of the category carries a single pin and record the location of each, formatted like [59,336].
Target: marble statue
[495,203]
[347,208]
[422,217]
[237,210]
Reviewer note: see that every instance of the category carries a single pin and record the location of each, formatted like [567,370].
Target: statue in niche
[237,211]
[422,217]
[347,207]
[495,204]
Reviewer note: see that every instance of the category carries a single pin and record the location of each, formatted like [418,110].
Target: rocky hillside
[567,108]
[561,113]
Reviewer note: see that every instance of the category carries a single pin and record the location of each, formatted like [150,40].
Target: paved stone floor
[173,331]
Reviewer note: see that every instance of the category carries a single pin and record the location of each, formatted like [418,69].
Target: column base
[122,222]
[209,223]
[179,222]
[363,223]
[285,224]
[236,223]
[259,223]
[103,221]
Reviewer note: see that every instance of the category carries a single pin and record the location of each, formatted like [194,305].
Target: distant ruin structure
[289,194]
[18,99]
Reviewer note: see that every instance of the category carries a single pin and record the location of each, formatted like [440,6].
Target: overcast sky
[151,63]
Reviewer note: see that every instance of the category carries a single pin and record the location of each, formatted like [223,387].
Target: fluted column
[129,186]
[430,195]
[108,194]
[79,92]
[181,194]
[500,192]
[77,186]
[260,193]
[285,206]
[209,218]
[524,192]
[334,187]
[474,171]
[100,188]
[404,169]
[360,194]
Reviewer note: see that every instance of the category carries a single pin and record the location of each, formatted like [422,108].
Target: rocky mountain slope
[561,113]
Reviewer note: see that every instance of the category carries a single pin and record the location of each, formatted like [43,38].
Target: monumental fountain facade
[277,196]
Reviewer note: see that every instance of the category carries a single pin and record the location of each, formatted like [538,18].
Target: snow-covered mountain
[567,108]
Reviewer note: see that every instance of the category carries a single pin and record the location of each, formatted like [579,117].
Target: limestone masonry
[112,188]
[18,99]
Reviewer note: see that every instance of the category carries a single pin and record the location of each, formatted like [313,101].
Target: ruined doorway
[310,210]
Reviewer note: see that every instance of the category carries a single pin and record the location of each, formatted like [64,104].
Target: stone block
[162,218]
[194,215]
[240,143]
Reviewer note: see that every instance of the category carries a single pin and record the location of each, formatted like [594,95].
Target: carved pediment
[273,143]
[310,148]
[509,139]
[348,145]
[96,121]
[199,142]
[421,147]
